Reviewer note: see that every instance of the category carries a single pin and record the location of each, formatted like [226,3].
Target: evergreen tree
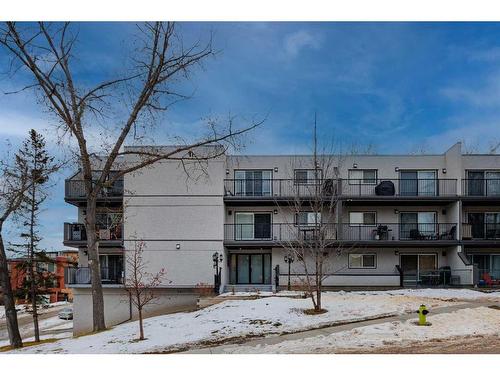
[39,167]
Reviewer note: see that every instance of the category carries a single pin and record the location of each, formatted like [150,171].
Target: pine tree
[40,165]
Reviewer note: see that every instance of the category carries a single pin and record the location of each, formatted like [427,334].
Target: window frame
[362,224]
[362,266]
[308,181]
[307,225]
[361,181]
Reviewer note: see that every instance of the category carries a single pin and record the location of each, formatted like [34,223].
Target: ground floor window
[250,269]
[362,261]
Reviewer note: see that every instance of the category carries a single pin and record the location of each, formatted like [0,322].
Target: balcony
[481,187]
[379,234]
[74,192]
[485,232]
[75,235]
[82,276]
[381,189]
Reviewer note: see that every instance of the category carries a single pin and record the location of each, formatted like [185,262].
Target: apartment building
[397,220]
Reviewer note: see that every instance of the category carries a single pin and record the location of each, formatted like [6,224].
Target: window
[308,218]
[307,176]
[362,176]
[362,261]
[362,218]
[253,183]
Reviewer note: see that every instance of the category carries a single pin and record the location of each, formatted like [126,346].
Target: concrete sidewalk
[276,339]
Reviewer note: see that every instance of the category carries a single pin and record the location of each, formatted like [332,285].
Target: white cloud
[297,41]
[481,96]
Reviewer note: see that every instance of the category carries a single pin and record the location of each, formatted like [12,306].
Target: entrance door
[414,266]
[251,269]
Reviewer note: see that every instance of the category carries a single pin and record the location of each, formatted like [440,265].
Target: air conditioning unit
[104,234]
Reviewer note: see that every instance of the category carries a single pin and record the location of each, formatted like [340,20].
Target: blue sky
[399,87]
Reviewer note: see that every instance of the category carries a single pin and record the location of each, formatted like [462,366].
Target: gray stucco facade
[441,213]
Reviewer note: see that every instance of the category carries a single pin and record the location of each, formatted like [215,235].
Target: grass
[7,348]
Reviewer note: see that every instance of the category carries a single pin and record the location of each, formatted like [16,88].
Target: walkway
[276,339]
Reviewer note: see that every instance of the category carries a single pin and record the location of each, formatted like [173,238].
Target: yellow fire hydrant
[422,315]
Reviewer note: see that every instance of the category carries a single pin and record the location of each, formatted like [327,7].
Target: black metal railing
[399,232]
[281,232]
[278,232]
[75,189]
[481,231]
[82,275]
[482,187]
[77,232]
[269,188]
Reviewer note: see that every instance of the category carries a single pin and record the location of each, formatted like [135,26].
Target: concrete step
[248,288]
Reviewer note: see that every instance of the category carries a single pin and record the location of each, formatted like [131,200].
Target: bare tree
[310,234]
[141,284]
[14,183]
[118,111]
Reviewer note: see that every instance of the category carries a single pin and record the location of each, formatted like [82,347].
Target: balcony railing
[75,189]
[269,188]
[400,232]
[282,232]
[482,187]
[82,276]
[75,232]
[486,231]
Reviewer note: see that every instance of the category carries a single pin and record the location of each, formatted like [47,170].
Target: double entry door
[250,269]
[418,183]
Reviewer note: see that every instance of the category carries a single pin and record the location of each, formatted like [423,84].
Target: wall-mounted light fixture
[355,165]
[396,252]
[177,246]
[227,171]
[396,169]
[276,212]
[444,170]
[276,169]
[396,211]
[229,213]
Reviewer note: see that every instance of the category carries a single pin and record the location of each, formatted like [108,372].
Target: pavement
[25,323]
[276,339]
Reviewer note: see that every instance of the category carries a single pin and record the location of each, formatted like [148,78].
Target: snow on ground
[24,309]
[442,294]
[465,322]
[256,317]
[237,318]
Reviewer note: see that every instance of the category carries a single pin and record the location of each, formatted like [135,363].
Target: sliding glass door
[250,269]
[418,183]
[417,225]
[252,226]
[252,183]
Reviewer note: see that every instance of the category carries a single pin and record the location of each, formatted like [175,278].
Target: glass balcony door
[250,269]
[492,183]
[418,183]
[252,183]
[417,225]
[252,226]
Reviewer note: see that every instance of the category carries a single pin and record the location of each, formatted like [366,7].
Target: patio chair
[416,235]
[488,280]
[449,235]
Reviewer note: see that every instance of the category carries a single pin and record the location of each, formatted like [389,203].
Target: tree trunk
[95,268]
[141,328]
[8,298]
[31,262]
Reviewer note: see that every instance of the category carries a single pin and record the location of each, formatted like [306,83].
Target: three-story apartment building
[398,220]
